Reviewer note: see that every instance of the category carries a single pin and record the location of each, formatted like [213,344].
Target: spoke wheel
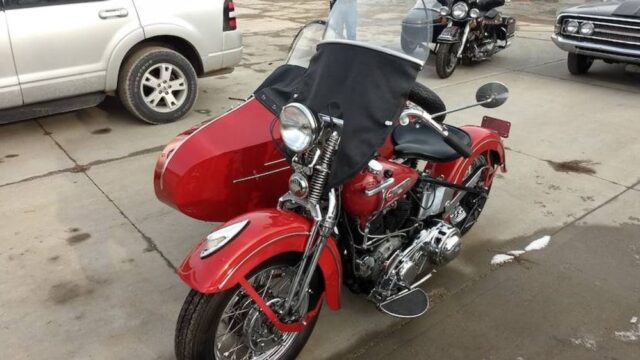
[230,326]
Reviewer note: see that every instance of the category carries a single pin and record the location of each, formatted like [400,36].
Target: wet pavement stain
[574,166]
[11,156]
[78,238]
[54,258]
[635,219]
[73,230]
[67,291]
[101,131]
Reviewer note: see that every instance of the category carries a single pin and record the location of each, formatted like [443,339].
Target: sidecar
[226,167]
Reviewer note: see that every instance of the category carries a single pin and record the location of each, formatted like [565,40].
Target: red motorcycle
[327,176]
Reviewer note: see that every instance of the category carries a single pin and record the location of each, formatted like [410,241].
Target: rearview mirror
[492,95]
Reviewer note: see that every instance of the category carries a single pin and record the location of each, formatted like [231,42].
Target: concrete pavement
[88,252]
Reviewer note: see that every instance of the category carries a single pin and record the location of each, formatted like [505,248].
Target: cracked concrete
[90,253]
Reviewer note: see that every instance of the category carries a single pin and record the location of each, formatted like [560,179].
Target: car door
[10,95]
[62,47]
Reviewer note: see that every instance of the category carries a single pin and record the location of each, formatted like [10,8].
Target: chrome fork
[320,232]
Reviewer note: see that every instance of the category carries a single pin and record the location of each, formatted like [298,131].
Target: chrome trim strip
[609,51]
[274,162]
[563,15]
[260,175]
[603,39]
[232,271]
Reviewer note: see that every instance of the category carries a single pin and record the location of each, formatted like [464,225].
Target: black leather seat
[425,143]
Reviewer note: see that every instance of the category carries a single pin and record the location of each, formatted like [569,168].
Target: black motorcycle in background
[463,31]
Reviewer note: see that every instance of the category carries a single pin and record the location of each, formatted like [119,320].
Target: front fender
[482,141]
[269,233]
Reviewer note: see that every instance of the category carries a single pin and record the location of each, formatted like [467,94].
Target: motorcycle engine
[434,246]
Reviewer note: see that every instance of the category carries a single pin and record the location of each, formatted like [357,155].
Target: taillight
[230,22]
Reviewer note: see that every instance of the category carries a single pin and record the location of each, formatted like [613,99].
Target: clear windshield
[384,25]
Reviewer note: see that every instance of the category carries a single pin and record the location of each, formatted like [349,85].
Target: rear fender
[482,141]
[269,233]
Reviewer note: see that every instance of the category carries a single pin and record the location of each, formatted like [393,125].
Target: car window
[18,4]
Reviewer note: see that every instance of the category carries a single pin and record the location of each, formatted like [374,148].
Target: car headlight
[571,27]
[459,10]
[587,28]
[474,13]
[298,127]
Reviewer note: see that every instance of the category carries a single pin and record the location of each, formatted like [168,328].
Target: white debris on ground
[501,259]
[585,341]
[539,244]
[631,335]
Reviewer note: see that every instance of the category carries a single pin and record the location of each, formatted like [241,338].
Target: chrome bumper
[597,50]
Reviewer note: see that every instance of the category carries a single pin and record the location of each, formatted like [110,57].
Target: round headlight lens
[474,13]
[459,10]
[587,28]
[571,27]
[297,126]
[444,11]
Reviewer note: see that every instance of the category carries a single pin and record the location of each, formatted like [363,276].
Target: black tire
[196,326]
[445,63]
[130,84]
[428,100]
[579,64]
[408,46]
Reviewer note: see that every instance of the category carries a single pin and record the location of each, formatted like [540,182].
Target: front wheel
[446,59]
[579,64]
[229,325]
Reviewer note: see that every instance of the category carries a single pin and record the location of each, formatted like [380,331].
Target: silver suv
[62,55]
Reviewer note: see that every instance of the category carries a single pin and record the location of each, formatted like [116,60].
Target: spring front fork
[321,229]
[321,171]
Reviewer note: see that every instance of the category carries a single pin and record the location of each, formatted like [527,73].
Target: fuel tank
[226,167]
[377,187]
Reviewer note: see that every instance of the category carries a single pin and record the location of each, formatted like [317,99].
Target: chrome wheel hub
[262,335]
[164,88]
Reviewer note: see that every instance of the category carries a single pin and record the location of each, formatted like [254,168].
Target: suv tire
[579,64]
[158,85]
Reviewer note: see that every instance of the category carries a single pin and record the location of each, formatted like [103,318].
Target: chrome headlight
[459,10]
[444,11]
[298,127]
[474,13]
[221,237]
[571,27]
[587,28]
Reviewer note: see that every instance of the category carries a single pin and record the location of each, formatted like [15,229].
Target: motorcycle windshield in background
[379,24]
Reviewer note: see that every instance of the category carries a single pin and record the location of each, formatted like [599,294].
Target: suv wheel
[579,64]
[158,85]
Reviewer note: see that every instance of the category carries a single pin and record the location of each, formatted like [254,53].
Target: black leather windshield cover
[365,87]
